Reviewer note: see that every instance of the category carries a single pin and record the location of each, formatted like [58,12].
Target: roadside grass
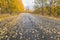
[50,17]
[7,16]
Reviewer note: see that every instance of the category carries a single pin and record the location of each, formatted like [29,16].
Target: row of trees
[47,7]
[11,6]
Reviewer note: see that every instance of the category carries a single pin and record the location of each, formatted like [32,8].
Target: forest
[43,7]
[47,7]
[11,6]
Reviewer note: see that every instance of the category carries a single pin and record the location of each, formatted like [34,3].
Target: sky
[28,3]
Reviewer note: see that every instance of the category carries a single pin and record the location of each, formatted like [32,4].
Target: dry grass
[6,16]
[50,17]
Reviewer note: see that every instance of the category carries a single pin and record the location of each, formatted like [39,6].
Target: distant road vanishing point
[32,27]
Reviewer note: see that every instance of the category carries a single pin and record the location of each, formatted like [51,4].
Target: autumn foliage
[49,8]
[11,6]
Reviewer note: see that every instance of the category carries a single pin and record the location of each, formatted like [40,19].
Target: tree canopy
[47,7]
[11,6]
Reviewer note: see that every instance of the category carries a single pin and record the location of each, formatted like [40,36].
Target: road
[30,27]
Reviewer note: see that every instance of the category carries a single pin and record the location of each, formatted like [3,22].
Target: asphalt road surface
[30,27]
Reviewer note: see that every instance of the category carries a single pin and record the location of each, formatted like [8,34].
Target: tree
[39,4]
[11,6]
[52,5]
[49,7]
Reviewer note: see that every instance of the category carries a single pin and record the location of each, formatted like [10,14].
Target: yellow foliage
[11,6]
[19,5]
